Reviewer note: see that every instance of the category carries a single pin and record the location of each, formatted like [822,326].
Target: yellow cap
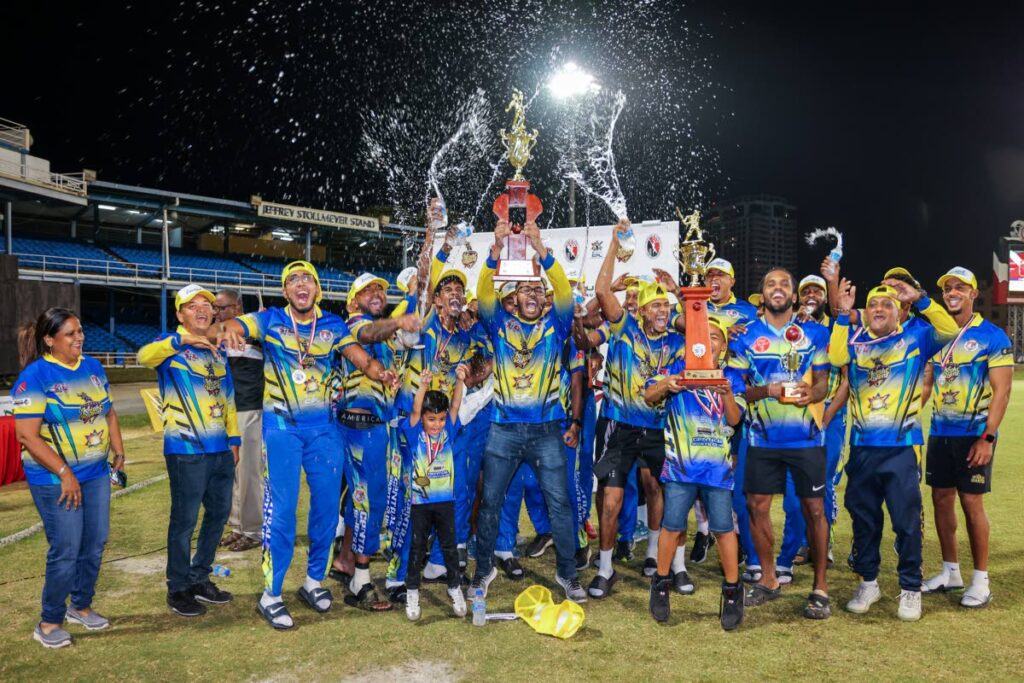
[507,289]
[364,281]
[189,292]
[651,291]
[296,266]
[451,272]
[536,607]
[722,326]
[961,274]
[815,280]
[900,270]
[755,299]
[883,290]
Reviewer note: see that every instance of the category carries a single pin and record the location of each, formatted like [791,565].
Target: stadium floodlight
[107,207]
[572,81]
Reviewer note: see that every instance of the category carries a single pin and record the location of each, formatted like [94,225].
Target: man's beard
[785,306]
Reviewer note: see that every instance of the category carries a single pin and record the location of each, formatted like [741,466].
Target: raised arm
[426,376]
[611,309]
[461,373]
[487,298]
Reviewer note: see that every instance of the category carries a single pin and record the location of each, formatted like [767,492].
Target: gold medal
[423,482]
[298,376]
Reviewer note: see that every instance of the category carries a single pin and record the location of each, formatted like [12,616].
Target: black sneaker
[207,591]
[539,544]
[701,544]
[650,567]
[185,604]
[623,551]
[730,608]
[683,583]
[659,604]
[582,558]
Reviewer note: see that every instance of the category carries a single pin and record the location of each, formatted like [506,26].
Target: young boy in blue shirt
[430,431]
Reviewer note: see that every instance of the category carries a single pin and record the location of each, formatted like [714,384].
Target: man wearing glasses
[246,520]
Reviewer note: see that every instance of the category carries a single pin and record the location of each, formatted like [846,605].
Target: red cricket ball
[793,333]
[516,228]
[696,305]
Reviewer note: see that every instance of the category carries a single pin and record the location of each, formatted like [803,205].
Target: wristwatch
[576,421]
[991,438]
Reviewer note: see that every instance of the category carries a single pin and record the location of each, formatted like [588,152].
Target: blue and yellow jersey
[432,475]
[359,391]
[885,380]
[634,358]
[697,435]
[573,361]
[527,355]
[758,355]
[443,350]
[73,402]
[297,395]
[733,311]
[961,392]
[197,396]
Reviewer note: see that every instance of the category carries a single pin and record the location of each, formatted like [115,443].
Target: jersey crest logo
[21,387]
[190,355]
[762,344]
[878,374]
[59,388]
[211,382]
[326,336]
[653,246]
[971,346]
[470,256]
[90,409]
[96,381]
[311,385]
[733,313]
[949,398]
[217,410]
[878,402]
[521,358]
[94,439]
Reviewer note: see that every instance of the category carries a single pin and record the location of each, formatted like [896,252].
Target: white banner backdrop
[582,250]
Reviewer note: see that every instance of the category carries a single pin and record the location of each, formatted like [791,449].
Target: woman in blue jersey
[66,426]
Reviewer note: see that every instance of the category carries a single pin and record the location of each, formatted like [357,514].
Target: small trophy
[791,363]
[517,205]
[693,254]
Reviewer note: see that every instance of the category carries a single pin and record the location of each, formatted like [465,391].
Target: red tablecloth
[10,453]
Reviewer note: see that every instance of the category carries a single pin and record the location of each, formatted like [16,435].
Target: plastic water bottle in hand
[438,214]
[579,300]
[627,240]
[479,608]
[221,571]
[463,231]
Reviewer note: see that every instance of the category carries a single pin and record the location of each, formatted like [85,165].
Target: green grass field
[618,641]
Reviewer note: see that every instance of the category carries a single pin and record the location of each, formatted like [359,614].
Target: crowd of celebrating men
[428,426]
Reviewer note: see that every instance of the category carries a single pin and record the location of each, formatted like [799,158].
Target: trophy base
[704,378]
[512,270]
[789,395]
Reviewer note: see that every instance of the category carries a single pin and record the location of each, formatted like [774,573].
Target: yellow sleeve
[562,303]
[945,327]
[154,353]
[231,418]
[838,343]
[487,298]
[436,266]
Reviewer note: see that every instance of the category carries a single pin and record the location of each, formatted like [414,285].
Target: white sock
[312,584]
[679,560]
[461,546]
[873,584]
[702,525]
[979,578]
[950,567]
[604,564]
[360,577]
[432,571]
[266,600]
[503,554]
[652,543]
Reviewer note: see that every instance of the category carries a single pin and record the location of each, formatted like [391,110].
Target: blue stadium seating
[66,256]
[99,340]
[136,334]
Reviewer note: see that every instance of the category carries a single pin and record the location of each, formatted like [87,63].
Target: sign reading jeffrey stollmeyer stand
[301,214]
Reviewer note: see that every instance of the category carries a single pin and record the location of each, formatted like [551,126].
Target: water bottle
[463,231]
[627,243]
[439,222]
[579,300]
[221,570]
[479,608]
[834,256]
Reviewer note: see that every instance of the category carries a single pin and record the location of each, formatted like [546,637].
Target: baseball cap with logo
[901,273]
[507,289]
[189,292]
[722,265]
[884,290]
[812,280]
[364,281]
[650,292]
[296,266]
[961,274]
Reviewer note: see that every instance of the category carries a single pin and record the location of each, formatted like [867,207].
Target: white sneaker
[942,582]
[910,606]
[976,596]
[458,601]
[412,604]
[867,594]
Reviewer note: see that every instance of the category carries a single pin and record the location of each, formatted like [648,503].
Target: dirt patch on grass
[141,565]
[411,672]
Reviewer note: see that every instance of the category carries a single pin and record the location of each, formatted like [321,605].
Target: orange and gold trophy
[517,205]
[693,254]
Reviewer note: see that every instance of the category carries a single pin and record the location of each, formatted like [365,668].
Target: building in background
[755,233]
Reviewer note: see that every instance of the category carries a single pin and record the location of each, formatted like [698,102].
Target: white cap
[812,280]
[722,265]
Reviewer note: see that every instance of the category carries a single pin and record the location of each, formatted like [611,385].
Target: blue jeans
[200,478]
[739,503]
[680,497]
[76,537]
[541,446]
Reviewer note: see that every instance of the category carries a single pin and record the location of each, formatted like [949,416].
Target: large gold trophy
[517,205]
[693,254]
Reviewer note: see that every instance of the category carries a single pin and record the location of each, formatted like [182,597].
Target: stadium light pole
[566,85]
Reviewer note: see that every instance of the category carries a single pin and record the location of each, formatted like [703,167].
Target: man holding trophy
[786,366]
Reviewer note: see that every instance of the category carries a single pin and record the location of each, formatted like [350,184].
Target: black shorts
[766,471]
[946,465]
[627,444]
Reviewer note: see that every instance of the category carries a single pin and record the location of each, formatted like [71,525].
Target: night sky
[903,129]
